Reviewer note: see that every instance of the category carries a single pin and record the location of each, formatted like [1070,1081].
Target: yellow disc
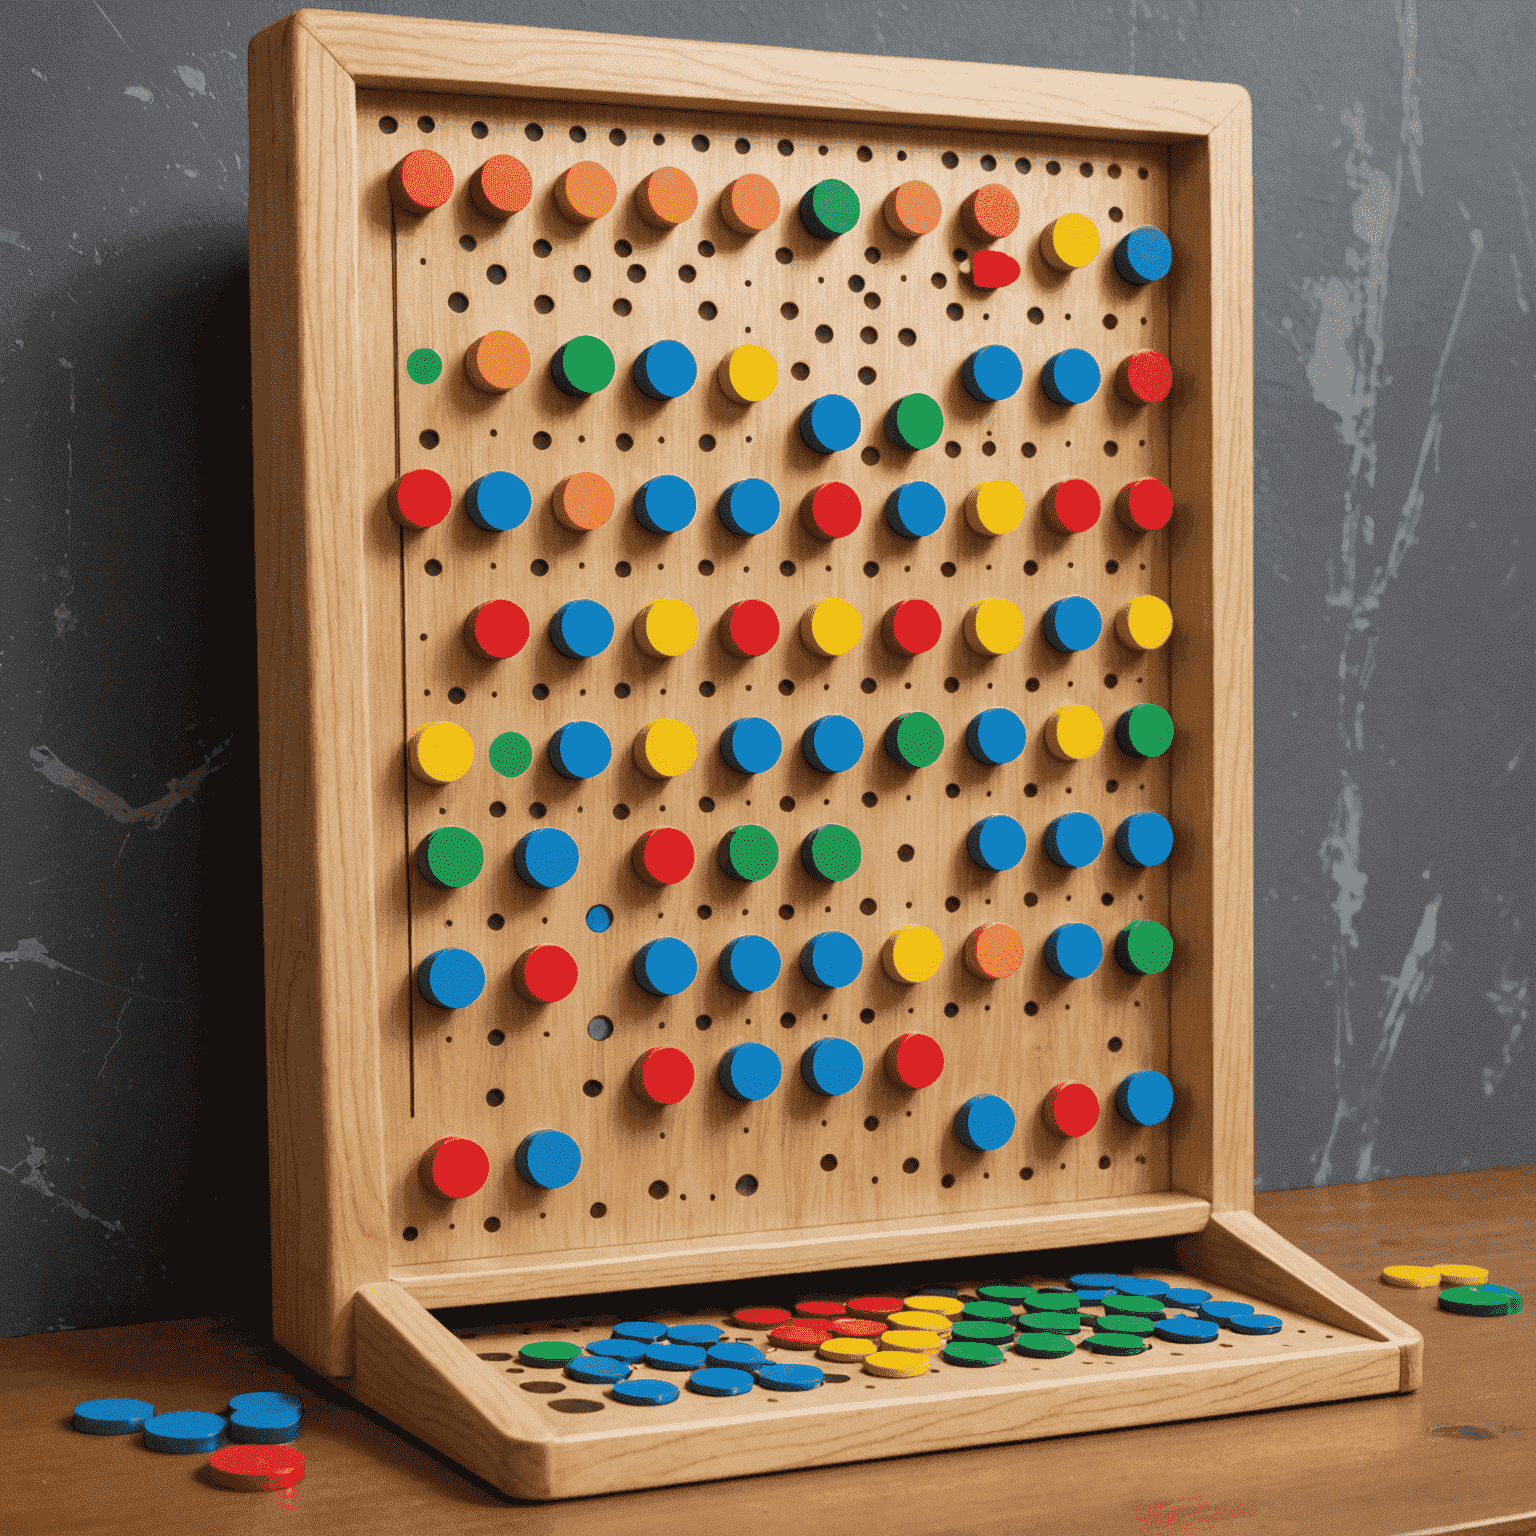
[1461,1274]
[1072,241]
[891,1362]
[912,953]
[911,1341]
[994,626]
[921,1322]
[994,506]
[945,1306]
[1412,1277]
[1144,623]
[667,627]
[666,748]
[441,752]
[847,1349]
[1074,732]
[831,627]
[748,374]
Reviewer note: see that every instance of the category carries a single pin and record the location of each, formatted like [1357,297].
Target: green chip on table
[550,1352]
[1135,1306]
[511,754]
[1056,1322]
[980,1332]
[970,1352]
[1139,1327]
[989,1311]
[1115,1344]
[1043,1346]
[1005,1292]
[1480,1300]
[1051,1301]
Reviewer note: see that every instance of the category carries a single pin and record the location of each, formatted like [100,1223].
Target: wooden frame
[323,712]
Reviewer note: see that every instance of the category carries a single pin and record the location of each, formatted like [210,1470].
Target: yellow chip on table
[913,1341]
[1410,1277]
[945,1306]
[847,1349]
[891,1362]
[1461,1274]
[925,1322]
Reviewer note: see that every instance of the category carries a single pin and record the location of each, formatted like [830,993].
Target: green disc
[832,852]
[1139,1326]
[834,206]
[1134,1306]
[1051,1301]
[1056,1322]
[1477,1301]
[967,1352]
[914,740]
[1115,1344]
[1147,945]
[1043,1346]
[584,365]
[989,1311]
[1005,1292]
[983,1333]
[423,365]
[511,754]
[749,853]
[1516,1301]
[1145,730]
[915,421]
[548,1352]
[451,856]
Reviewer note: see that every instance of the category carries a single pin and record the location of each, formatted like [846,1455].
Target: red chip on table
[1072,1109]
[914,1060]
[456,1167]
[856,1327]
[800,1335]
[993,269]
[1072,505]
[420,498]
[663,1075]
[422,181]
[545,974]
[749,628]
[761,1317]
[832,511]
[664,856]
[1144,378]
[1145,505]
[496,630]
[878,1307]
[818,1309]
[912,627]
[257,1468]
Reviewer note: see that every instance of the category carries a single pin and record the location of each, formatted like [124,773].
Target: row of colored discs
[500,501]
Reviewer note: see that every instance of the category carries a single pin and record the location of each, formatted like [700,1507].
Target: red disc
[1072,1109]
[800,1335]
[913,626]
[422,181]
[497,629]
[821,1309]
[258,1468]
[760,1317]
[1145,378]
[993,269]
[456,1167]
[502,186]
[545,974]
[879,1307]
[1073,505]
[665,856]
[1145,504]
[856,1327]
[833,510]
[420,498]
[914,1060]
[751,628]
[664,1075]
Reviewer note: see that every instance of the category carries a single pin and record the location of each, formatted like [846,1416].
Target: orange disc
[749,204]
[422,181]
[497,362]
[501,187]
[585,192]
[991,213]
[583,501]
[913,209]
[666,197]
[994,951]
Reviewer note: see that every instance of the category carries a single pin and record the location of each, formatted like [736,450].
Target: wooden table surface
[1459,1454]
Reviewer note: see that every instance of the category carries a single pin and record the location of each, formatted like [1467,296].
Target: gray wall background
[1396,272]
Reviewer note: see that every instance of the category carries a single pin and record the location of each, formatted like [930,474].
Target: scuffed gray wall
[1396,272]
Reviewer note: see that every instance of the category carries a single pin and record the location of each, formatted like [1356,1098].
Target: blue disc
[749,507]
[992,373]
[548,1159]
[581,629]
[580,750]
[720,1381]
[625,1350]
[995,737]
[832,744]
[1186,1296]
[832,1066]
[1135,1285]
[1073,951]
[1222,1311]
[1072,624]
[702,1334]
[791,1378]
[985,1122]
[643,1332]
[751,745]
[915,510]
[646,1393]
[674,1357]
[545,858]
[750,963]
[595,1370]
[1087,1295]
[665,370]
[665,504]
[1186,1330]
[995,843]
[1144,840]
[269,1402]
[112,1415]
[1074,841]
[1253,1322]
[184,1434]
[264,1426]
[1093,1280]
[498,502]
[830,424]
[750,1072]
[1071,377]
[665,967]
[450,978]
[1143,256]
[832,959]
[599,919]
[1144,1098]
[741,1356]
